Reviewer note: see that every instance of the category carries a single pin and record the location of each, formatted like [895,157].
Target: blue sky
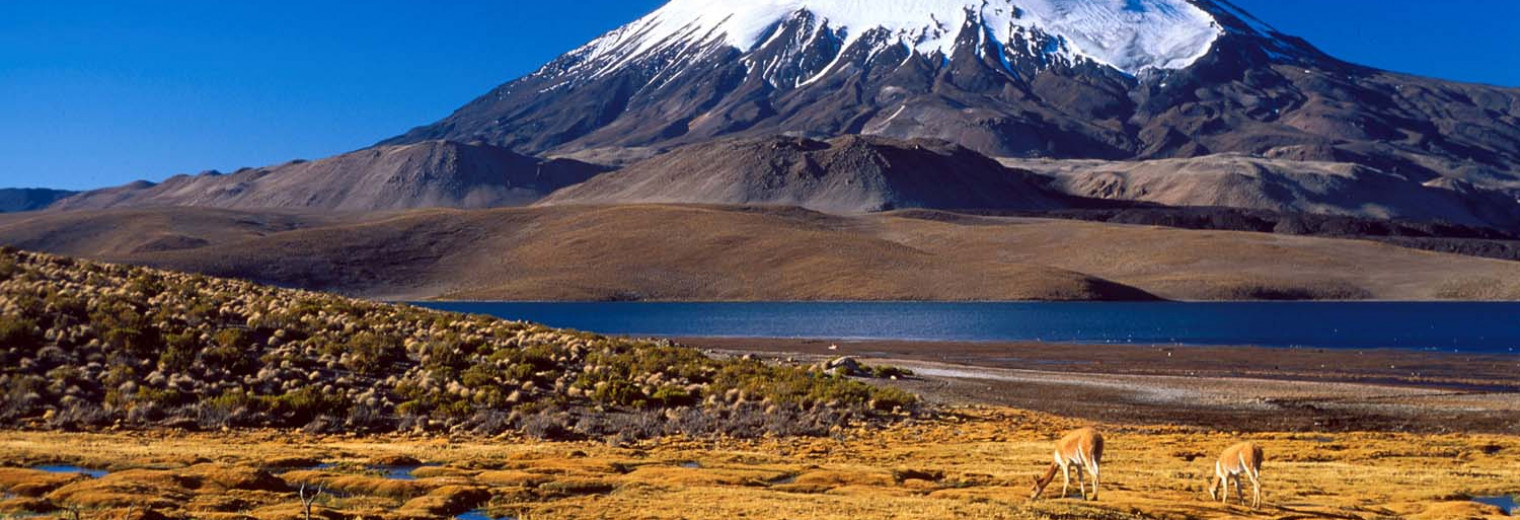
[102,92]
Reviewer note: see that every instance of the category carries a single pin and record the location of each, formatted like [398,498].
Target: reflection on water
[63,468]
[398,472]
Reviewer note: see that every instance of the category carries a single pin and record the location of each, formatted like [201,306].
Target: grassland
[750,253]
[971,463]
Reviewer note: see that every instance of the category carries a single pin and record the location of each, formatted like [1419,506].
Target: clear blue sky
[102,92]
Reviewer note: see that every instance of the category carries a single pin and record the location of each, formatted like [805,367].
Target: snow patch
[1129,35]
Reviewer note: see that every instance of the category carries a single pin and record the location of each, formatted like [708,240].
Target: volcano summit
[1086,79]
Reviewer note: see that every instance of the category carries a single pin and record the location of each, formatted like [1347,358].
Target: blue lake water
[1507,503]
[1466,326]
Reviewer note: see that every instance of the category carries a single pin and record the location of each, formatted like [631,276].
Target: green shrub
[372,354]
[164,398]
[231,350]
[126,329]
[18,332]
[304,405]
[180,351]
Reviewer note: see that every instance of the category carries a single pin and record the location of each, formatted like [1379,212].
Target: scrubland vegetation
[88,346]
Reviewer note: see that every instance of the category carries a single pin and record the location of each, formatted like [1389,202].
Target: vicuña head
[1241,459]
[1081,450]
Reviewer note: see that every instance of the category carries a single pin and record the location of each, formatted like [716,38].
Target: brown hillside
[852,174]
[737,253]
[422,175]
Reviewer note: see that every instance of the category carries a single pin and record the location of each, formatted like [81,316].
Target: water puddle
[691,465]
[403,473]
[1507,503]
[61,468]
[399,472]
[782,481]
[480,514]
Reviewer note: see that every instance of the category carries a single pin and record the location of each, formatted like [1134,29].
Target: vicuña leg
[1065,481]
[1094,472]
[1256,489]
[1081,480]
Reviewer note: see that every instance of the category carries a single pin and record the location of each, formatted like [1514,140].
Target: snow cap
[1129,35]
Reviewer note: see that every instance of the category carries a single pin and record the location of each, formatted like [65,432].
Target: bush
[180,351]
[8,267]
[127,330]
[16,332]
[372,354]
[547,426]
[231,350]
[302,406]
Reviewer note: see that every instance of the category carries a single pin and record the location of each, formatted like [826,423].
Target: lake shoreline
[1233,388]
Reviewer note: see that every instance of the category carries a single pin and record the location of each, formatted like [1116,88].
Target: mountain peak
[1129,35]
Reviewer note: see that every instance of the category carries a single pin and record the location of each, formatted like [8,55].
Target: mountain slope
[845,175]
[420,175]
[1093,79]
[1282,186]
[29,199]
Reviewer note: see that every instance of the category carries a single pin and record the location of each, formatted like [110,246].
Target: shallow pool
[63,468]
[1507,503]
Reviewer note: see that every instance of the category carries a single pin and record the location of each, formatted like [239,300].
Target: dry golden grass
[367,485]
[732,253]
[976,463]
[33,483]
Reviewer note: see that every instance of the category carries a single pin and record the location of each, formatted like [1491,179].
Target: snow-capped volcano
[988,74]
[1129,35]
[1091,79]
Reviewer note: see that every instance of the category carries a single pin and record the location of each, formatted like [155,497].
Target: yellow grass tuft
[32,482]
[447,501]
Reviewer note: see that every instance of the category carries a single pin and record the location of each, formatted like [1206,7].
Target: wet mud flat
[1229,388]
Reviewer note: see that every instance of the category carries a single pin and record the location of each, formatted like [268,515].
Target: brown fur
[1245,459]
[1080,450]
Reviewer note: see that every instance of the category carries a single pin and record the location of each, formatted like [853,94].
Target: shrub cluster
[86,345]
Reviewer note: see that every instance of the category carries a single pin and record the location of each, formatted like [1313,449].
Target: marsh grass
[973,463]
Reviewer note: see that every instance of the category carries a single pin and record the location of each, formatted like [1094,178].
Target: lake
[1465,326]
